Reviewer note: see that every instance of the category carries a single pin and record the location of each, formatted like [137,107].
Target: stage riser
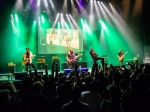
[69,70]
[65,65]
[20,75]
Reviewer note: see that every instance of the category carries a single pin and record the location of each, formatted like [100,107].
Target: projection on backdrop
[58,41]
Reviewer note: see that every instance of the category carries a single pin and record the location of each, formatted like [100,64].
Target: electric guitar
[27,59]
[74,59]
[121,57]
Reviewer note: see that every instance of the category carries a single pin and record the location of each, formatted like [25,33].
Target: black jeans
[28,66]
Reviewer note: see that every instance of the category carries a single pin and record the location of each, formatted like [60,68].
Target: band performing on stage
[72,57]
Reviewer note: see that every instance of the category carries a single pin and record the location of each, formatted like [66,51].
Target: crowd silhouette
[117,89]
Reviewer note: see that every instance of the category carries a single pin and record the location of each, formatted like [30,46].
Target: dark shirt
[75,107]
[94,55]
[55,104]
[120,54]
[27,54]
[37,103]
[14,106]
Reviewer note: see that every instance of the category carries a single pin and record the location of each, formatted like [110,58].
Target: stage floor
[4,76]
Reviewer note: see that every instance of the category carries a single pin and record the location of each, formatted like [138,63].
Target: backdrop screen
[58,41]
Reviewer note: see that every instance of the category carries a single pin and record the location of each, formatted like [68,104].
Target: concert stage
[19,75]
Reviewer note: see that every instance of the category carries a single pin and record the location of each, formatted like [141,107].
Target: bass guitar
[74,59]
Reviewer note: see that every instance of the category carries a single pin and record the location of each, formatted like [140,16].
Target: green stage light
[16,18]
[67,26]
[58,25]
[42,18]
[34,23]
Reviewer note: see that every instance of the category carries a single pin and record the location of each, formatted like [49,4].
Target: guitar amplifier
[40,66]
[41,62]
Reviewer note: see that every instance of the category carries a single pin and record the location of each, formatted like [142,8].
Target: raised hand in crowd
[77,79]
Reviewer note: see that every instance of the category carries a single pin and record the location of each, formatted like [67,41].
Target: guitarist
[71,58]
[28,58]
[95,57]
[121,56]
[93,54]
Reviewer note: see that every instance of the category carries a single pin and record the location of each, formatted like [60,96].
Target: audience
[56,103]
[75,105]
[115,90]
[106,106]
[4,100]
[15,104]
[37,102]
[123,85]
[91,97]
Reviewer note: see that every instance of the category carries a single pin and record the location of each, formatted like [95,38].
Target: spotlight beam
[45,3]
[38,3]
[54,24]
[65,7]
[52,4]
[104,12]
[74,22]
[62,21]
[97,11]
[81,8]
[70,21]
[125,30]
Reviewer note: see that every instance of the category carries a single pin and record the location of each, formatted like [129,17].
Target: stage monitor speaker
[20,75]
[65,65]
